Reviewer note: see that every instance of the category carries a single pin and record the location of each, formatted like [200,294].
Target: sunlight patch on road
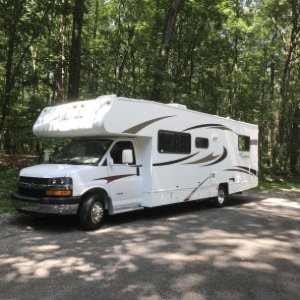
[281,202]
[43,248]
[187,282]
[24,269]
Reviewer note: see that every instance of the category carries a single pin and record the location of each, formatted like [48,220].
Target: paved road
[248,250]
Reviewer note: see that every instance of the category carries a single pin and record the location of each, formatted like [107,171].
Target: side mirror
[46,155]
[127,156]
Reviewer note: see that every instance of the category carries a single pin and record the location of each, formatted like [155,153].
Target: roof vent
[177,105]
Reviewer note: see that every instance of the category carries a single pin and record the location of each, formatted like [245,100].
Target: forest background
[234,58]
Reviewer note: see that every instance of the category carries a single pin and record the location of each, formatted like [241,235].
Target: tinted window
[174,142]
[201,142]
[117,150]
[244,143]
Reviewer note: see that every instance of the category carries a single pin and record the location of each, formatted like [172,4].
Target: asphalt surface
[249,249]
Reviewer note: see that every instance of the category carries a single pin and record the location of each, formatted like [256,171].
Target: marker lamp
[59,193]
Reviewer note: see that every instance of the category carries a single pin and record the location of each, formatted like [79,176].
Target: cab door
[124,179]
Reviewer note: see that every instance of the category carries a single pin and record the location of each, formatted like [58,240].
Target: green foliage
[278,185]
[8,179]
[226,57]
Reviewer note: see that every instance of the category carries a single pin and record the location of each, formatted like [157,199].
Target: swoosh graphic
[174,161]
[138,127]
[253,171]
[222,157]
[237,170]
[210,126]
[200,126]
[221,127]
[115,177]
[204,159]
[218,126]
[253,142]
[189,196]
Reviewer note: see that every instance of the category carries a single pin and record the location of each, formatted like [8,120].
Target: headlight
[60,181]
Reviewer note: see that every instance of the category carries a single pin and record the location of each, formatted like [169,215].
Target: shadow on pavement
[247,250]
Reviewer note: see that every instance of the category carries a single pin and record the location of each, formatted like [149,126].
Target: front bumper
[50,205]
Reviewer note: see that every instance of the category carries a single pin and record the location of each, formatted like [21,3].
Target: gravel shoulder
[249,249]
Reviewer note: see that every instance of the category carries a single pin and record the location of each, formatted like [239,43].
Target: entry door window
[117,150]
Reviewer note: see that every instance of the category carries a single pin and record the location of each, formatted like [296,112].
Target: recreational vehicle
[128,154]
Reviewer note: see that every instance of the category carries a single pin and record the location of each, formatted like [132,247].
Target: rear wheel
[220,200]
[91,212]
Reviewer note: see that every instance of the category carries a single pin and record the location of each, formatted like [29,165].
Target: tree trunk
[75,51]
[294,142]
[94,73]
[273,128]
[35,79]
[127,51]
[290,49]
[60,76]
[170,22]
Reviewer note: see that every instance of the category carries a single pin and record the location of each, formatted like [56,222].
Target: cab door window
[117,150]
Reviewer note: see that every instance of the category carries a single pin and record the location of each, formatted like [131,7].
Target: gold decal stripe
[138,127]
[115,177]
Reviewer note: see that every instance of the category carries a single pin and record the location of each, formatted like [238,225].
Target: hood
[52,170]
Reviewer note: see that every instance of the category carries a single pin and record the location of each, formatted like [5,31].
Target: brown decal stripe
[207,158]
[253,142]
[201,126]
[189,196]
[241,171]
[222,157]
[210,126]
[115,177]
[254,172]
[220,127]
[174,161]
[138,127]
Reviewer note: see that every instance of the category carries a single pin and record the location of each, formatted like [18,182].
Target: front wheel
[219,201]
[91,212]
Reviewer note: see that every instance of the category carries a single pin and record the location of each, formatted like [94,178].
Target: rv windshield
[82,152]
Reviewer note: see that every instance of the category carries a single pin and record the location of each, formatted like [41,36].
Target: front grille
[34,180]
[31,192]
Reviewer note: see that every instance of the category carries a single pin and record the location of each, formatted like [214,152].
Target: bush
[8,181]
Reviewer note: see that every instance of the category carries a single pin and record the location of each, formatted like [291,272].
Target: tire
[91,212]
[220,200]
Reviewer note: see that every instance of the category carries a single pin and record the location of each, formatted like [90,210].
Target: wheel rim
[96,212]
[221,196]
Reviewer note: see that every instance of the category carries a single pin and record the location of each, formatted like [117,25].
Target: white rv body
[157,177]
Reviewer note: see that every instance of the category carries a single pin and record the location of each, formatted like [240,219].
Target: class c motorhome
[128,154]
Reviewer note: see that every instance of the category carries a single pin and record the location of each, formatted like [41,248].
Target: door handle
[137,171]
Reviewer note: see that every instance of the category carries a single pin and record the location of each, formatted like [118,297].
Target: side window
[201,142]
[244,143]
[116,151]
[174,142]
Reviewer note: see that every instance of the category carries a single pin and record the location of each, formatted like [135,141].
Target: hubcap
[221,196]
[96,213]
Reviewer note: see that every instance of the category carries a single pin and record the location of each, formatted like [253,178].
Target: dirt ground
[249,249]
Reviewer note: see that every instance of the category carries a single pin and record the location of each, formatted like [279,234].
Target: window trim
[247,143]
[176,134]
[133,150]
[203,138]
